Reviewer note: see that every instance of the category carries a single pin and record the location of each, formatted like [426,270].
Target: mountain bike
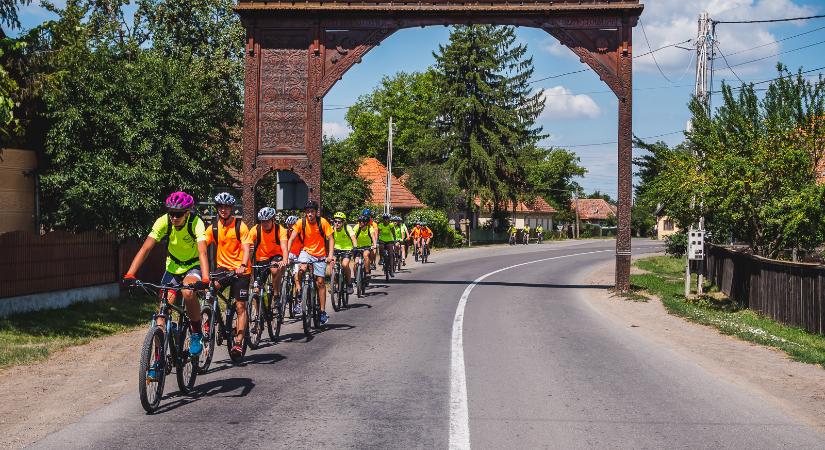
[165,348]
[220,330]
[387,258]
[260,302]
[425,251]
[310,305]
[398,258]
[338,284]
[360,271]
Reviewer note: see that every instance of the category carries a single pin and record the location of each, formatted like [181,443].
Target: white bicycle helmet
[266,213]
[291,220]
[225,198]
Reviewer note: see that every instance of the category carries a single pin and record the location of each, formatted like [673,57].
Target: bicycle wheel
[232,326]
[344,292]
[334,288]
[387,268]
[208,326]
[256,315]
[186,365]
[272,312]
[306,306]
[287,299]
[359,281]
[316,310]
[152,354]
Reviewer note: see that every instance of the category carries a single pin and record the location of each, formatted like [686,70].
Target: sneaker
[153,371]
[297,309]
[350,290]
[404,262]
[236,351]
[324,318]
[195,344]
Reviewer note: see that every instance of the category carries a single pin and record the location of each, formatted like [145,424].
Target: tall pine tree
[487,111]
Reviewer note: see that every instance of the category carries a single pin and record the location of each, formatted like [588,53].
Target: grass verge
[665,280]
[30,337]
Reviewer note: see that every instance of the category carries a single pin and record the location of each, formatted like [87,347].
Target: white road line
[459,416]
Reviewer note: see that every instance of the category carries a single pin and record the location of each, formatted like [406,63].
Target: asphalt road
[544,369]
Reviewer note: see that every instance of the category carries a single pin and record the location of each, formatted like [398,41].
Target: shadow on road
[505,283]
[223,387]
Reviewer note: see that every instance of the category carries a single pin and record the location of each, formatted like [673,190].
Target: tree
[486,111]
[341,187]
[597,194]
[550,174]
[128,118]
[752,167]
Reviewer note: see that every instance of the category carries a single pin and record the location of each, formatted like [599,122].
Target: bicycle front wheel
[359,281]
[232,324]
[208,326]
[335,285]
[306,306]
[186,365]
[257,317]
[152,373]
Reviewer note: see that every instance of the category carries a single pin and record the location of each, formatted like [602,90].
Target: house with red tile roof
[533,213]
[376,174]
[593,210]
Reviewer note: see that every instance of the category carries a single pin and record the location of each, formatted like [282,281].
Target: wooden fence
[32,263]
[791,293]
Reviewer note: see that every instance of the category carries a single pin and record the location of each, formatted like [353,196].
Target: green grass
[665,280]
[31,337]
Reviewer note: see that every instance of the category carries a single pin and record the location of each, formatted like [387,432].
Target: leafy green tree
[597,194]
[486,111]
[341,187]
[752,167]
[550,174]
[10,126]
[434,185]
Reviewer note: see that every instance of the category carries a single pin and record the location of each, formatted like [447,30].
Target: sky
[581,113]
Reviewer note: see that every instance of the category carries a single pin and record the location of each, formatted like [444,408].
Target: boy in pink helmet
[186,246]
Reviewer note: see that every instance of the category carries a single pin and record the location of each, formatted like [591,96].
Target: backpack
[360,230]
[215,230]
[303,230]
[190,227]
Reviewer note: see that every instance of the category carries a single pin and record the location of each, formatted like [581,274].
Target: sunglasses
[337,221]
[177,214]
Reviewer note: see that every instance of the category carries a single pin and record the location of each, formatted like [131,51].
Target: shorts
[319,265]
[239,285]
[176,280]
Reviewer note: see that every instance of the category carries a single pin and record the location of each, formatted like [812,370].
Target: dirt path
[796,387]
[44,397]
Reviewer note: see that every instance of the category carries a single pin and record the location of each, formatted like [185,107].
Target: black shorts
[239,286]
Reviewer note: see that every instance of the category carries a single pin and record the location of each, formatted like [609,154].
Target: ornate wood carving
[344,48]
[598,48]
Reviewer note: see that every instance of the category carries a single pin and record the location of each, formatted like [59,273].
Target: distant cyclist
[403,236]
[187,255]
[526,231]
[345,242]
[386,239]
[315,234]
[230,236]
[512,231]
[267,238]
[540,233]
[364,240]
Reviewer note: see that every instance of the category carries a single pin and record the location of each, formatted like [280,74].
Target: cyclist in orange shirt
[316,235]
[268,238]
[232,256]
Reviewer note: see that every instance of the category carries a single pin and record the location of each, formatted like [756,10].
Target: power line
[773,79]
[559,75]
[726,62]
[777,41]
[644,33]
[777,54]
[790,19]
[610,142]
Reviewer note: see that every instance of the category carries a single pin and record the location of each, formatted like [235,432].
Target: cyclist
[268,238]
[403,237]
[416,236]
[187,255]
[230,236]
[526,231]
[425,236]
[316,236]
[513,231]
[344,244]
[540,233]
[374,230]
[386,238]
[293,253]
[364,240]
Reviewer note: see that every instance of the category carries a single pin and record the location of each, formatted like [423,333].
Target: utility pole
[578,225]
[705,54]
[388,192]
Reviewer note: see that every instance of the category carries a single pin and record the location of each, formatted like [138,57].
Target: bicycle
[387,259]
[225,327]
[260,303]
[338,284]
[397,258]
[425,251]
[360,272]
[155,362]
[310,304]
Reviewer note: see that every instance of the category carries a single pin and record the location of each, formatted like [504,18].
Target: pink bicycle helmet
[179,200]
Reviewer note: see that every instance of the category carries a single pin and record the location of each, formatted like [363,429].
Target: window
[668,226]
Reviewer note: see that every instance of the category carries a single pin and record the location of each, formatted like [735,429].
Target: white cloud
[671,21]
[336,130]
[561,103]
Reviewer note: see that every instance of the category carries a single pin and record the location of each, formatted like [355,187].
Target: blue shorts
[319,265]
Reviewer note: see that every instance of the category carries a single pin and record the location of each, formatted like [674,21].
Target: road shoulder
[797,388]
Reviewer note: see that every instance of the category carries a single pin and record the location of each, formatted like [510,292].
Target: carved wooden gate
[296,52]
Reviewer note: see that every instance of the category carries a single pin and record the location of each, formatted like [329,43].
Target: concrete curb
[58,299]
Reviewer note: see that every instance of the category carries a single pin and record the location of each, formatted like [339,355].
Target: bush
[676,244]
[443,234]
